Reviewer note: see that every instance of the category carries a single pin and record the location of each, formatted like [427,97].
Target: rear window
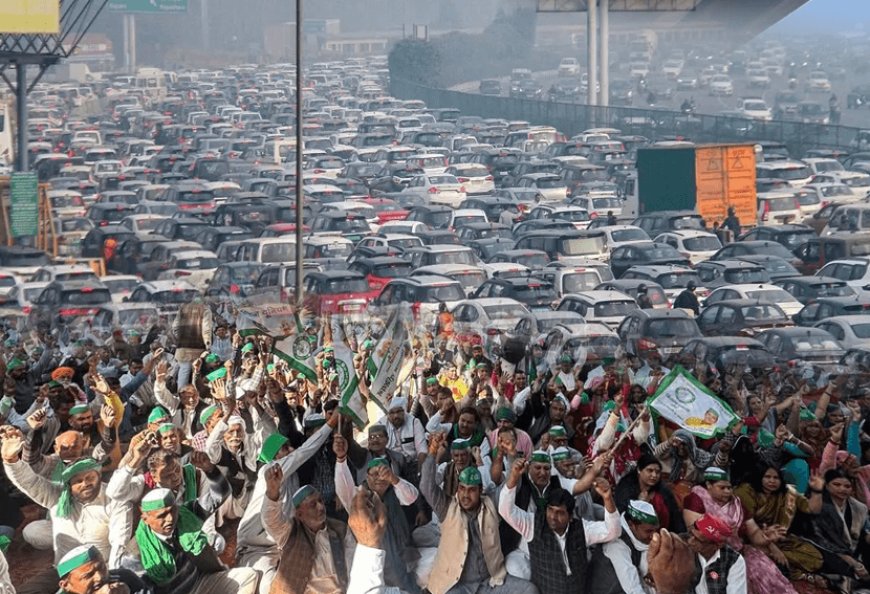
[550,182]
[678,280]
[535,292]
[458,257]
[832,290]
[137,317]
[686,222]
[86,297]
[784,203]
[345,285]
[761,312]
[198,196]
[702,244]
[451,292]
[580,281]
[174,296]
[67,276]
[533,260]
[769,295]
[395,270]
[38,259]
[124,285]
[670,328]
[807,344]
[629,235]
[277,252]
[198,263]
[608,309]
[581,246]
[745,277]
[470,280]
[501,312]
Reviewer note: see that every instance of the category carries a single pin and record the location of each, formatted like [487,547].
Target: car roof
[662,313]
[424,279]
[743,302]
[446,269]
[604,295]
[731,264]
[167,285]
[726,341]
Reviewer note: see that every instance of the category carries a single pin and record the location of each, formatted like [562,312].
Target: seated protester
[185,409]
[469,557]
[504,453]
[84,571]
[645,483]
[319,470]
[171,440]
[254,546]
[771,502]
[549,414]
[468,427]
[684,462]
[716,498]
[462,456]
[570,466]
[79,509]
[316,551]
[621,565]
[506,417]
[405,433]
[102,434]
[399,496]
[722,568]
[175,553]
[841,528]
[843,450]
[531,488]
[447,413]
[557,542]
[208,420]
[377,449]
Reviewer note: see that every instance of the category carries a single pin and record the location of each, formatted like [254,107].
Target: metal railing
[572,118]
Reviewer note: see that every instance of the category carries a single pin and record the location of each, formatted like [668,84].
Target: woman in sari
[644,483]
[770,502]
[716,498]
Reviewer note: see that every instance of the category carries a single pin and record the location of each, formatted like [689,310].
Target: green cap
[431,381]
[541,457]
[460,444]
[807,415]
[375,462]
[14,364]
[714,474]
[561,454]
[470,476]
[207,413]
[217,374]
[557,431]
[76,558]
[271,446]
[157,499]
[83,465]
[157,414]
[248,348]
[642,511]
[79,409]
[329,349]
[302,494]
[165,428]
[314,420]
[505,414]
[211,359]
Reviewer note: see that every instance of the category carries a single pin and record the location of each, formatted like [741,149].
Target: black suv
[534,293]
[62,303]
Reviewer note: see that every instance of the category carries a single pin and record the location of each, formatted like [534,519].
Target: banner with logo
[294,342]
[388,359]
[683,400]
[352,402]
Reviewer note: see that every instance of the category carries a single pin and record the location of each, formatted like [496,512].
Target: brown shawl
[297,558]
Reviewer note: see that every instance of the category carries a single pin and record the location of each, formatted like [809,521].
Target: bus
[152,82]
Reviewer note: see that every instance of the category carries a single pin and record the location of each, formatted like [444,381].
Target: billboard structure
[148,6]
[30,16]
[598,26]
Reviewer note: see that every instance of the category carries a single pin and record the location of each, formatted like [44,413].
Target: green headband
[165,428]
[64,503]
[302,494]
[55,384]
[74,560]
[249,347]
[460,444]
[158,413]
[714,474]
[470,476]
[640,515]
[271,446]
[558,431]
[165,500]
[505,414]
[79,409]
[560,455]
[206,414]
[375,462]
[541,457]
[217,374]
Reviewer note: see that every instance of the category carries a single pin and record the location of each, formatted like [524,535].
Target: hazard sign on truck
[704,178]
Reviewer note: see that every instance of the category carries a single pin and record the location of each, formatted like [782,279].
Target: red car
[386,209]
[337,292]
[380,269]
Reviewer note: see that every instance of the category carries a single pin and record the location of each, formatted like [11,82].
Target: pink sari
[763,576]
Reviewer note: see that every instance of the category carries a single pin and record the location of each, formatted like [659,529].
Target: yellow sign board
[725,176]
[29,16]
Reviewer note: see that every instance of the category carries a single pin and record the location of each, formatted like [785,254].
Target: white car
[758,78]
[756,109]
[820,165]
[765,293]
[467,216]
[24,294]
[672,68]
[721,86]
[855,272]
[478,316]
[777,208]
[431,163]
[506,270]
[607,307]
[813,197]
[850,330]
[8,282]
[194,266]
[120,285]
[437,189]
[857,181]
[600,205]
[697,246]
[619,235]
[573,214]
[474,177]
[569,67]
[818,81]
[550,186]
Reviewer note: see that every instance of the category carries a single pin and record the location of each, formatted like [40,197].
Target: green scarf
[65,501]
[190,486]
[157,559]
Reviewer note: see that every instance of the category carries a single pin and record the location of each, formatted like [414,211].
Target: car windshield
[576,282]
[86,297]
[245,274]
[144,317]
[670,328]
[746,276]
[687,222]
[278,252]
[861,330]
[197,263]
[612,309]
[678,280]
[702,244]
[581,246]
[507,310]
[457,257]
[437,293]
[792,173]
[832,290]
[770,295]
[443,180]
[535,292]
[762,313]
[32,293]
[469,280]
[533,260]
[197,196]
[808,344]
[345,285]
[189,231]
[629,235]
[601,203]
[550,182]
[394,270]
[174,296]
[772,248]
[7,281]
[440,219]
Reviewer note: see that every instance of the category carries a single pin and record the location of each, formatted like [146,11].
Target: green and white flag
[292,342]
[387,363]
[352,402]
[683,400]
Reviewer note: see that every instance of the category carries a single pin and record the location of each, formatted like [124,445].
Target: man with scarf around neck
[723,570]
[79,509]
[255,547]
[621,566]
[84,571]
[316,551]
[557,541]
[175,553]
[183,410]
[531,490]
[469,558]
[399,497]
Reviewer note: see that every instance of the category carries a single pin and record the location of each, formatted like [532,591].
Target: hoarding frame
[30,17]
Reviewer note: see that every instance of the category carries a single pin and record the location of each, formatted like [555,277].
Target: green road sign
[148,6]
[24,213]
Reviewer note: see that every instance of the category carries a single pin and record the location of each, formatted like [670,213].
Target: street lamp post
[299,222]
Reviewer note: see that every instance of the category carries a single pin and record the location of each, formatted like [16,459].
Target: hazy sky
[844,14]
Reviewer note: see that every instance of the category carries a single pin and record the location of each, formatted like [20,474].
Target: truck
[705,178]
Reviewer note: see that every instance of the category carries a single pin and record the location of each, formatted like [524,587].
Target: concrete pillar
[592,51]
[604,34]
